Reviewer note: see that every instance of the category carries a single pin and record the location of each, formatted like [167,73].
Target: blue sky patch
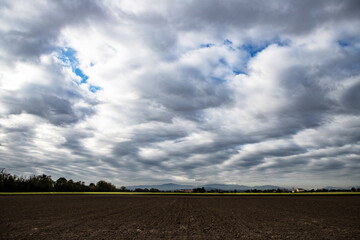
[80,73]
[344,43]
[94,88]
[238,72]
[227,42]
[67,56]
[349,44]
[254,49]
[235,70]
[207,45]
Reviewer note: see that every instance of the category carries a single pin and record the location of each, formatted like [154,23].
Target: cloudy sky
[195,92]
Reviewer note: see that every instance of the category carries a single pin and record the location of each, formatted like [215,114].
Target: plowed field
[179,217]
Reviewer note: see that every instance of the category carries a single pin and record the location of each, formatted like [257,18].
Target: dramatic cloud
[182,91]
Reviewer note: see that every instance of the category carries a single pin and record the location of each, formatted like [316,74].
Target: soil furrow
[179,217]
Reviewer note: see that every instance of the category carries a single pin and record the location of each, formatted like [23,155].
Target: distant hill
[340,188]
[231,187]
[208,187]
[163,187]
[226,187]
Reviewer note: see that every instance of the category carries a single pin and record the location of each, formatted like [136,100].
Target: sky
[190,92]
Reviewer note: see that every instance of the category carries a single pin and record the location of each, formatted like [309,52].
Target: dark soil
[179,217]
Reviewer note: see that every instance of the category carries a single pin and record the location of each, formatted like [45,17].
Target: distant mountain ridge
[340,188]
[208,187]
[231,187]
[163,187]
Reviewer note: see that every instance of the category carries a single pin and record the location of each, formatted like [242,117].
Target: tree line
[44,183]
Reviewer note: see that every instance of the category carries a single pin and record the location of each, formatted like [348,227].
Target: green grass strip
[178,193]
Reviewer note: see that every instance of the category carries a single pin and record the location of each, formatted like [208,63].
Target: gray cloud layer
[190,92]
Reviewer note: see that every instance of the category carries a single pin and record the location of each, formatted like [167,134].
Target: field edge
[186,194]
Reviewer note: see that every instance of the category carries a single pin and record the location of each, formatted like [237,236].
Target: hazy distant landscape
[44,183]
[208,187]
[226,187]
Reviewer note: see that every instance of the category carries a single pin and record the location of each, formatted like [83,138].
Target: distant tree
[42,183]
[92,187]
[61,185]
[154,190]
[70,186]
[103,186]
[255,190]
[199,190]
[123,189]
[80,187]
[7,182]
